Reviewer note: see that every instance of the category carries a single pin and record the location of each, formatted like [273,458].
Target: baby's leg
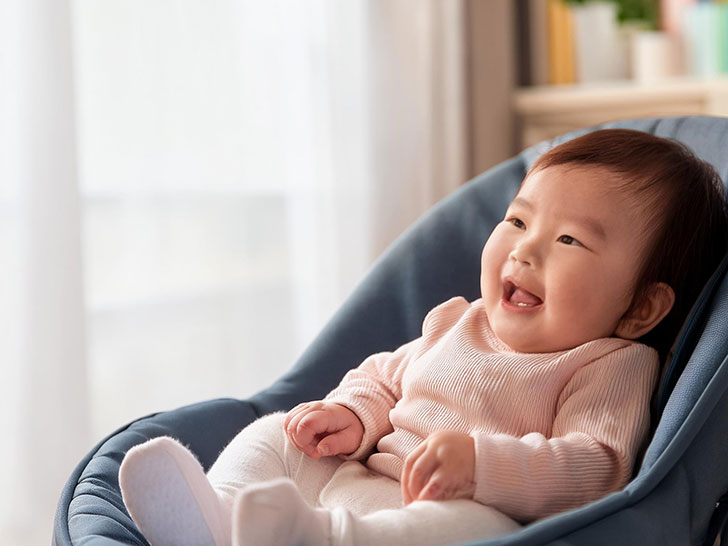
[173,502]
[424,523]
[262,452]
[375,513]
[273,513]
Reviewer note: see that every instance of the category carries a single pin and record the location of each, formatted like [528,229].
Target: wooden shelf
[548,111]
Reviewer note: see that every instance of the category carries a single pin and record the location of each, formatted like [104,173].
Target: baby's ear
[653,308]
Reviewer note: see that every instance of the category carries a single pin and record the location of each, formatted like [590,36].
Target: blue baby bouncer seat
[676,494]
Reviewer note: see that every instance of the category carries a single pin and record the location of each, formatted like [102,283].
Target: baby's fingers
[300,410]
[308,431]
[292,413]
[420,475]
[299,437]
[344,441]
[415,473]
[438,487]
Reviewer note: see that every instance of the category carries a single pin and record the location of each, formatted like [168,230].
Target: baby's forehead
[621,192]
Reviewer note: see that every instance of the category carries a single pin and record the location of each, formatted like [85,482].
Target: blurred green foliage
[646,11]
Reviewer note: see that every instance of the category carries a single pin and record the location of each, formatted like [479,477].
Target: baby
[531,400]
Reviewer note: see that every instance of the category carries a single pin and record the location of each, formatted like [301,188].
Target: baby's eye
[569,240]
[517,222]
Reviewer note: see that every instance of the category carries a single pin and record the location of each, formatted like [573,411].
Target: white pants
[368,505]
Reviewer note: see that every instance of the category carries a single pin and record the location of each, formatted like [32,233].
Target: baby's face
[560,269]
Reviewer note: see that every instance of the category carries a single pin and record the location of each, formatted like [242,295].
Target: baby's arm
[601,418]
[371,391]
[374,388]
[321,429]
[352,418]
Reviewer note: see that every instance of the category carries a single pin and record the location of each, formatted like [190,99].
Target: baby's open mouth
[519,297]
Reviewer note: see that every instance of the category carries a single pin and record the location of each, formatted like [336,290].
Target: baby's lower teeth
[523,304]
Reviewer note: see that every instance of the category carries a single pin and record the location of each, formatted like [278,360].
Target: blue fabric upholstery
[437,258]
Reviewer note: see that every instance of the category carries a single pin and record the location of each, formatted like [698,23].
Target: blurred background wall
[189,189]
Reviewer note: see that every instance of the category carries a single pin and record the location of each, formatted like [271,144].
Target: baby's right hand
[322,429]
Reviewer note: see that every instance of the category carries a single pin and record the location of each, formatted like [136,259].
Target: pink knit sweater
[552,431]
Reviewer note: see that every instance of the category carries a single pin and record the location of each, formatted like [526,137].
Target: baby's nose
[525,252]
[518,256]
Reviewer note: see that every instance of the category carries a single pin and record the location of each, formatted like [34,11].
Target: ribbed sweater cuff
[495,472]
[509,476]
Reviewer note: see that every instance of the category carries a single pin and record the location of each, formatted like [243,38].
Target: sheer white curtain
[189,190]
[43,402]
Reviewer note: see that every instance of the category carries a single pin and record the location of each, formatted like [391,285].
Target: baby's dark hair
[686,214]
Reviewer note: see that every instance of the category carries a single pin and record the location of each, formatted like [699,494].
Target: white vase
[599,48]
[654,56]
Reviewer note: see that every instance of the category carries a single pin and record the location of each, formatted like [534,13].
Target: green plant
[631,10]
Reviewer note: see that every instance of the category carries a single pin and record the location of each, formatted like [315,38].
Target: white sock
[168,496]
[275,514]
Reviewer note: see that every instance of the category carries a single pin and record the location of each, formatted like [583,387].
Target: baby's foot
[274,513]
[169,497]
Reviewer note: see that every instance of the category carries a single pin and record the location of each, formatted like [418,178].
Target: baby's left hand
[440,468]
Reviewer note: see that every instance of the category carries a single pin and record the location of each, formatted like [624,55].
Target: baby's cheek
[569,303]
[489,283]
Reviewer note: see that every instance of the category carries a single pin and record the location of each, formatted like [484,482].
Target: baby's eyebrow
[591,225]
[587,222]
[522,202]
